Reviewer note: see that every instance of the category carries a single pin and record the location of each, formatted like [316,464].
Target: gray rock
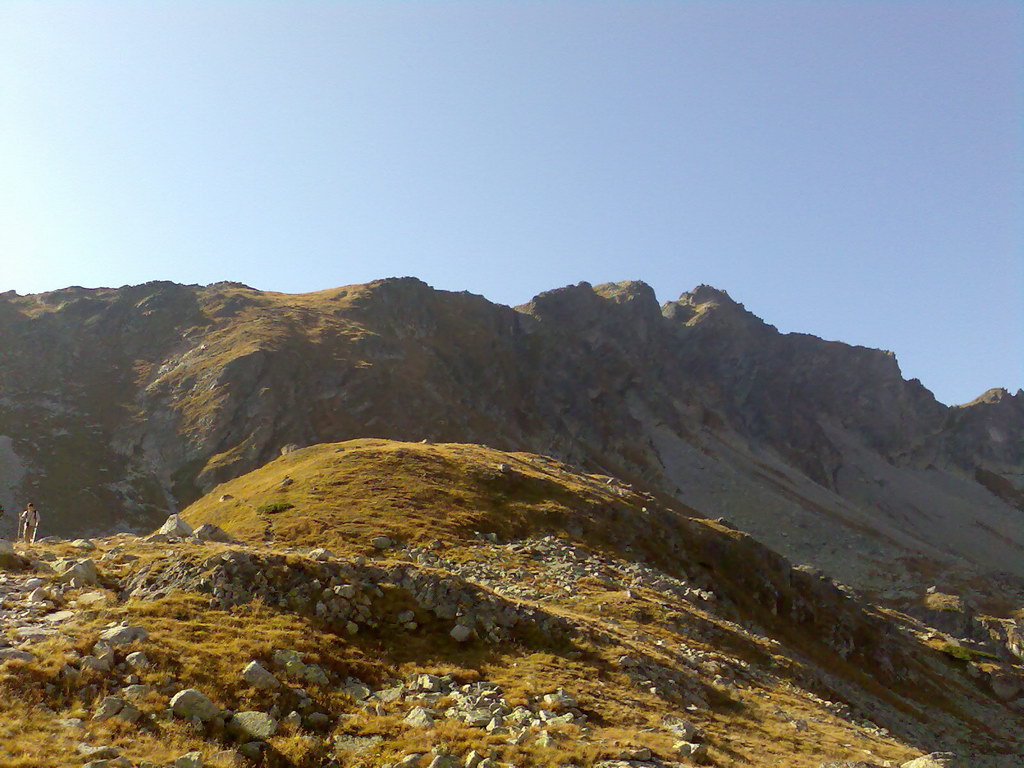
[684,729]
[357,691]
[382,542]
[175,526]
[108,707]
[252,749]
[95,663]
[9,654]
[97,753]
[211,532]
[419,717]
[689,749]
[1004,686]
[191,703]
[558,701]
[137,691]
[253,725]
[189,759]
[123,635]
[78,573]
[427,683]
[935,760]
[461,633]
[129,713]
[39,595]
[137,660]
[318,721]
[257,676]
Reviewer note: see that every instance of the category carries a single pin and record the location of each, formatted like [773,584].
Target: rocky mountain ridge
[119,405]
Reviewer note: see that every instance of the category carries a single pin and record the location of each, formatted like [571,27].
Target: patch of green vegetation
[274,507]
[966,654]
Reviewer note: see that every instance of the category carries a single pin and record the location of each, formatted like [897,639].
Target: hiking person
[29,520]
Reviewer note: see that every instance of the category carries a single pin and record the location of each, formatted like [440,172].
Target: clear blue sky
[848,169]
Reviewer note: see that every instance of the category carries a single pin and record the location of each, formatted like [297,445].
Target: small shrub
[965,654]
[274,507]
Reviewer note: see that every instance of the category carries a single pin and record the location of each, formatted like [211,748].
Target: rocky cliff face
[116,405]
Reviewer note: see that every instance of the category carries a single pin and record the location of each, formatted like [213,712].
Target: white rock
[256,675]
[78,573]
[123,634]
[175,526]
[689,749]
[137,660]
[558,701]
[191,703]
[934,760]
[419,717]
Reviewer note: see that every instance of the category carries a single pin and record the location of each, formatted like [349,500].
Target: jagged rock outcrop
[121,405]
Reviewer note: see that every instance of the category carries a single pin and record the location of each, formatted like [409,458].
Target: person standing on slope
[29,520]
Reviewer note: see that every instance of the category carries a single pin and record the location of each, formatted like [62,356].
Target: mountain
[417,529]
[119,405]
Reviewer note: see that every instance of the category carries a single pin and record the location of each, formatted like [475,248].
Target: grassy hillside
[565,619]
[341,495]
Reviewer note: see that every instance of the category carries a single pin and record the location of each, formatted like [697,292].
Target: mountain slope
[474,604]
[120,404]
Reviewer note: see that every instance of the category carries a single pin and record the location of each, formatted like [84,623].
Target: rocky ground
[432,606]
[536,651]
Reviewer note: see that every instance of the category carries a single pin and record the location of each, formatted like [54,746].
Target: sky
[854,170]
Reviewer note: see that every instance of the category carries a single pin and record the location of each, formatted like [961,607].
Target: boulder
[935,760]
[1005,686]
[137,691]
[9,559]
[97,753]
[253,725]
[78,573]
[189,760]
[211,532]
[174,526]
[461,633]
[419,717]
[258,677]
[382,542]
[123,635]
[13,654]
[137,660]
[689,749]
[191,703]
[558,701]
[108,707]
